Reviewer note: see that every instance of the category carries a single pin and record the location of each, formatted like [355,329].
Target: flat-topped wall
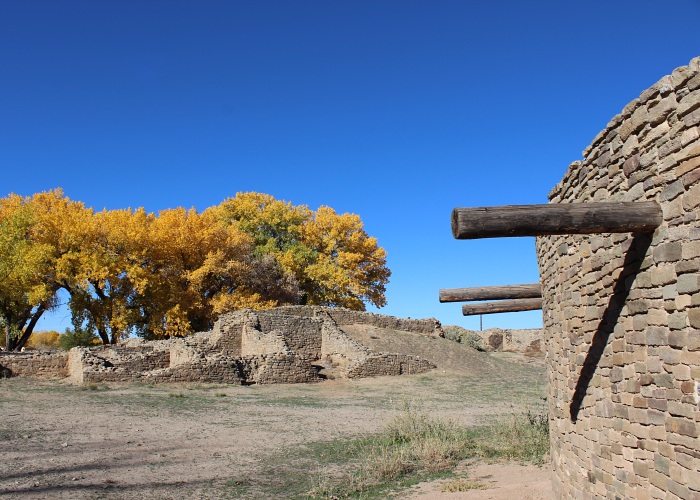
[621,312]
[429,326]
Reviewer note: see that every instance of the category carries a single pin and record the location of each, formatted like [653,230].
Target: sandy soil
[132,441]
[501,481]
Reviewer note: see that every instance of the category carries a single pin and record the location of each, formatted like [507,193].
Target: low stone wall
[34,364]
[526,341]
[341,316]
[244,347]
[388,364]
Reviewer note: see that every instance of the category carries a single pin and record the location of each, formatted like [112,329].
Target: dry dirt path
[132,441]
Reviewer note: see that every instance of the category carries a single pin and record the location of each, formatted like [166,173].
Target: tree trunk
[29,329]
[103,336]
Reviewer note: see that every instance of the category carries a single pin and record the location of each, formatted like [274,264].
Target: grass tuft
[517,437]
[416,446]
[459,485]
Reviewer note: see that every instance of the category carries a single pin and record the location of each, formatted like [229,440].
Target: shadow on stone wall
[630,267]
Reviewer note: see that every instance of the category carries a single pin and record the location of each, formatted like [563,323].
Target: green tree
[77,337]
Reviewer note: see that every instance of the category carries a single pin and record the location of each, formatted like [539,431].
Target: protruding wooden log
[556,218]
[525,291]
[502,306]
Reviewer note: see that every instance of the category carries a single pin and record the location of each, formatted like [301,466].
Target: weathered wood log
[525,291]
[556,218]
[502,306]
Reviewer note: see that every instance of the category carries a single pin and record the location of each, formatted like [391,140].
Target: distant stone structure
[621,312]
[526,341]
[281,345]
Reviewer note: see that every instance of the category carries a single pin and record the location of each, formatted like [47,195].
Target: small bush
[463,336]
[79,337]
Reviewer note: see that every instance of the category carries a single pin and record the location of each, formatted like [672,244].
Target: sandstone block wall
[527,341]
[388,364]
[276,346]
[34,364]
[340,316]
[621,312]
[301,335]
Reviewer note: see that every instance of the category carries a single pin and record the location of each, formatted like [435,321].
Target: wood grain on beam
[556,218]
[502,306]
[524,291]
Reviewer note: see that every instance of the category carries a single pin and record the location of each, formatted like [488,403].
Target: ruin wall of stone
[34,364]
[244,347]
[341,316]
[621,312]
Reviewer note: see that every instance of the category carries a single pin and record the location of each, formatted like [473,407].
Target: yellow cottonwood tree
[330,256]
[104,272]
[192,260]
[27,289]
[129,271]
[350,269]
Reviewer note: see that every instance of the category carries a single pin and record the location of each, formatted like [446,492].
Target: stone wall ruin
[621,312]
[281,345]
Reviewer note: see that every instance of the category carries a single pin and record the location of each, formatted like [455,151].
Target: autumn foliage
[158,275]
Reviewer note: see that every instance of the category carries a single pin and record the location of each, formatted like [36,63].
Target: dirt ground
[199,441]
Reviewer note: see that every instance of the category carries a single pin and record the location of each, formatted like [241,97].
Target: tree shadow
[632,264]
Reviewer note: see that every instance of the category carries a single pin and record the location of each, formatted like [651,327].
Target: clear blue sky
[396,110]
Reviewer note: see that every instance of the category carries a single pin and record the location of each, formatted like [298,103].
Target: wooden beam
[525,291]
[556,218]
[502,306]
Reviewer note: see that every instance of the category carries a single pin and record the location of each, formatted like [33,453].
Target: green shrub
[463,336]
[78,337]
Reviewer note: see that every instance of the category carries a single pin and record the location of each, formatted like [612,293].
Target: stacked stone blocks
[621,312]
[283,345]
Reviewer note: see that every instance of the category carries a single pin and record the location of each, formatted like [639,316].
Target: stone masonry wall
[621,312]
[429,326]
[527,341]
[302,335]
[244,347]
[34,364]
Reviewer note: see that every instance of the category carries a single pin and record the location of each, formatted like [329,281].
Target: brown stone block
[690,358]
[688,283]
[658,479]
[657,433]
[680,490]
[661,110]
[678,409]
[638,415]
[657,335]
[694,317]
[692,119]
[694,83]
[682,426]
[688,104]
[694,481]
